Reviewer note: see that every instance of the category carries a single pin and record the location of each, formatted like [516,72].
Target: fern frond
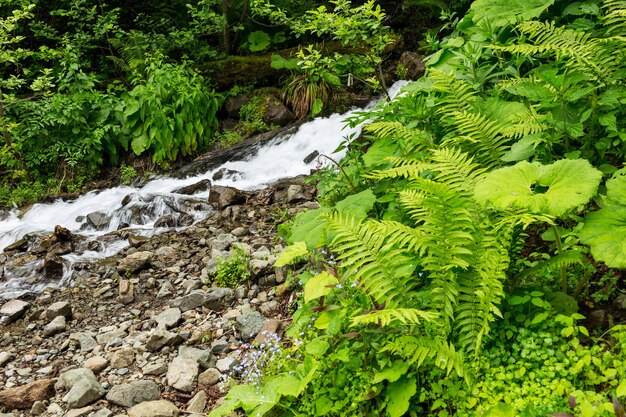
[556,262]
[615,17]
[401,235]
[388,316]
[522,124]
[403,168]
[458,95]
[456,168]
[410,140]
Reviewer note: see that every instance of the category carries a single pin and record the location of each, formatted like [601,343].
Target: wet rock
[57,325]
[135,262]
[160,408]
[250,324]
[136,392]
[25,396]
[167,220]
[61,234]
[60,308]
[96,364]
[217,299]
[224,173]
[98,220]
[61,248]
[182,374]
[221,197]
[198,403]
[311,157]
[160,338]
[185,219]
[126,293]
[53,267]
[13,310]
[168,318]
[209,377]
[189,301]
[20,246]
[412,64]
[5,357]
[200,186]
[83,387]
[276,113]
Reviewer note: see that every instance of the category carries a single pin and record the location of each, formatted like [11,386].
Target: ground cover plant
[455,245]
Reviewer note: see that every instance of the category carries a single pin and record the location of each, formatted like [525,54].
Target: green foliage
[127,174]
[234,269]
[251,117]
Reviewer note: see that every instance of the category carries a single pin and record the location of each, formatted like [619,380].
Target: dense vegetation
[444,272]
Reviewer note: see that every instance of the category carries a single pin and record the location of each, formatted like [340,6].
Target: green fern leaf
[388,316]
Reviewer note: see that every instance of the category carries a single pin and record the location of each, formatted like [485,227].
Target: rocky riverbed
[145,333]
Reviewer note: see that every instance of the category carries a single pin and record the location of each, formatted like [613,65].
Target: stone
[160,408]
[209,377]
[188,302]
[107,337]
[136,392]
[295,193]
[596,319]
[103,412]
[198,403]
[38,408]
[225,365]
[200,186]
[53,267]
[223,242]
[23,397]
[412,64]
[311,157]
[13,310]
[167,220]
[250,324]
[217,299]
[620,302]
[5,357]
[79,412]
[96,364]
[135,262]
[55,409]
[160,338]
[182,374]
[137,240]
[185,219]
[19,245]
[259,266]
[98,220]
[168,318]
[204,358]
[86,341]
[57,325]
[276,113]
[156,368]
[225,173]
[126,292]
[221,196]
[123,358]
[60,308]
[270,327]
[233,104]
[83,387]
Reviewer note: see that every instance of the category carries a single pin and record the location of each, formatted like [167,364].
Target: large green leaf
[357,205]
[310,227]
[258,41]
[542,189]
[605,232]
[318,286]
[503,12]
[399,394]
[291,253]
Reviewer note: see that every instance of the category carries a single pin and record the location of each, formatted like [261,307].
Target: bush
[233,270]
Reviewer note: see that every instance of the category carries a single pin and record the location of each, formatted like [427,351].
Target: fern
[392,315]
[410,140]
[615,18]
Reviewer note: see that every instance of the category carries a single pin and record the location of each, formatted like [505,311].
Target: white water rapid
[281,157]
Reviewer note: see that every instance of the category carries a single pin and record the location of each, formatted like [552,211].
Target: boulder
[221,197]
[135,262]
[136,392]
[83,387]
[250,324]
[168,318]
[233,104]
[53,267]
[276,113]
[57,325]
[160,408]
[412,64]
[204,358]
[60,308]
[98,220]
[200,186]
[25,396]
[13,310]
[167,220]
[188,302]
[182,374]
[217,299]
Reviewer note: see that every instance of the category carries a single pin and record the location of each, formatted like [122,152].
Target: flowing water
[281,157]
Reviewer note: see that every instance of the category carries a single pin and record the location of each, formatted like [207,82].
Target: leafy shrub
[233,270]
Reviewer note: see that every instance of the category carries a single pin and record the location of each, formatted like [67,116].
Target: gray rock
[160,408]
[310,157]
[412,64]
[204,357]
[223,242]
[189,302]
[107,337]
[5,357]
[219,346]
[96,363]
[103,412]
[160,338]
[226,365]
[168,318]
[13,310]
[167,220]
[166,290]
[38,408]
[182,374]
[198,403]
[135,262]
[60,308]
[128,395]
[123,358]
[98,220]
[250,324]
[209,377]
[276,113]
[79,412]
[200,186]
[57,325]
[217,299]
[126,292]
[221,197]
[295,193]
[156,368]
[86,341]
[83,387]
[259,266]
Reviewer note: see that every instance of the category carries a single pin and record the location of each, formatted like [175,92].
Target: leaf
[140,143]
[616,188]
[357,205]
[258,41]
[541,189]
[320,285]
[291,253]
[621,389]
[391,373]
[399,394]
[604,231]
[502,12]
[317,347]
[278,62]
[310,227]
[521,150]
[316,107]
[501,410]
